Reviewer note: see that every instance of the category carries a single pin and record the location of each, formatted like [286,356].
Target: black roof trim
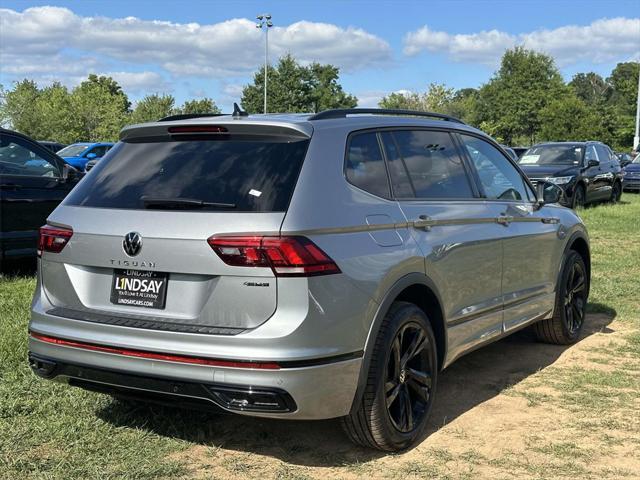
[343,112]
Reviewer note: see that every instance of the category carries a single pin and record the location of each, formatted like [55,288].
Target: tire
[616,193]
[373,424]
[578,197]
[569,313]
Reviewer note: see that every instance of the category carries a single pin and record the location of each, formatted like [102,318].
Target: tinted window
[17,158]
[433,164]
[365,167]
[499,178]
[590,154]
[256,175]
[400,181]
[100,151]
[604,155]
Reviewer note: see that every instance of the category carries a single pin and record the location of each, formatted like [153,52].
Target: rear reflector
[154,355]
[53,239]
[286,256]
[198,129]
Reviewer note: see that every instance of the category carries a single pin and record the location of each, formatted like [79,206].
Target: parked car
[302,267]
[53,146]
[631,174]
[33,181]
[80,153]
[511,152]
[624,159]
[586,171]
[520,150]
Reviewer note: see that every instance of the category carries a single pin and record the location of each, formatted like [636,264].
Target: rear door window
[254,174]
[431,162]
[18,158]
[365,167]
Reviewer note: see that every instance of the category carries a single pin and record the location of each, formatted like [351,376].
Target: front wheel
[578,197]
[401,382]
[571,302]
[616,193]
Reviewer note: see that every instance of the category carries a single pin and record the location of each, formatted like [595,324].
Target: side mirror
[69,174]
[549,193]
[592,163]
[91,156]
[624,163]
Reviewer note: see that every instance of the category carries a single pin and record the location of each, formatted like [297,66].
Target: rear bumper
[316,392]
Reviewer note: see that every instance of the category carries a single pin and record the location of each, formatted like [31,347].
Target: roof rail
[343,112]
[186,116]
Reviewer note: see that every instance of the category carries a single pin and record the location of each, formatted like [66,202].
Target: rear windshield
[255,174]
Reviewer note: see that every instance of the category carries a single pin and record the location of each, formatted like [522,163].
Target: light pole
[636,138]
[264,20]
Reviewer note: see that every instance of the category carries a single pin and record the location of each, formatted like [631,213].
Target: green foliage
[511,101]
[437,98]
[570,118]
[591,88]
[152,108]
[203,105]
[295,88]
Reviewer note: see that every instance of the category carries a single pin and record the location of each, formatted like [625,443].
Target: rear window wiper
[181,203]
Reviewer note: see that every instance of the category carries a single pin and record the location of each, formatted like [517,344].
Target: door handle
[504,220]
[423,222]
[10,186]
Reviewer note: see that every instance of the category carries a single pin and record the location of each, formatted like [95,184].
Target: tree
[18,108]
[54,110]
[591,88]
[570,118]
[296,88]
[509,104]
[152,108]
[437,98]
[326,92]
[204,105]
[99,109]
[624,82]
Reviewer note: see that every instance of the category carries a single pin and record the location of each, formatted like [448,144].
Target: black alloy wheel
[575,298]
[408,378]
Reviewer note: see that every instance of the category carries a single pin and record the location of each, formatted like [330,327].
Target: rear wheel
[571,301]
[401,382]
[578,197]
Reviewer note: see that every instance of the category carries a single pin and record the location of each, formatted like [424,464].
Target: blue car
[78,154]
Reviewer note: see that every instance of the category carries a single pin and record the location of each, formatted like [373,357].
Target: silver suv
[301,266]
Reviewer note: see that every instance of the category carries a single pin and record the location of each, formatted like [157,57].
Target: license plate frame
[139,288]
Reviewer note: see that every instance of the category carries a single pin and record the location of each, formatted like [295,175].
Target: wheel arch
[579,243]
[420,290]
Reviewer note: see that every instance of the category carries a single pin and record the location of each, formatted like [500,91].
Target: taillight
[287,256]
[53,239]
[198,129]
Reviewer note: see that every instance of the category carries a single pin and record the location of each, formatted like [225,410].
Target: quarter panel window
[365,166]
[500,180]
[17,158]
[434,167]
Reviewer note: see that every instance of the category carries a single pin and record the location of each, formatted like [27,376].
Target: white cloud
[140,82]
[602,41]
[230,48]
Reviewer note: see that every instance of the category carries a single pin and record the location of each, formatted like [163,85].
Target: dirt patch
[497,415]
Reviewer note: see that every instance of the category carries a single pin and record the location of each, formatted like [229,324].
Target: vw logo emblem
[132,244]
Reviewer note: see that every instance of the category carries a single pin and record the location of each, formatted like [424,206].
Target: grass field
[516,409]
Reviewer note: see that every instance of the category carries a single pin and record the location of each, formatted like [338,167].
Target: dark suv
[586,171]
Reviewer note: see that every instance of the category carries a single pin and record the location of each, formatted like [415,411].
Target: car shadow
[470,381]
[18,268]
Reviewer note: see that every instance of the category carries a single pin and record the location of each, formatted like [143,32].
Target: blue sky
[210,48]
